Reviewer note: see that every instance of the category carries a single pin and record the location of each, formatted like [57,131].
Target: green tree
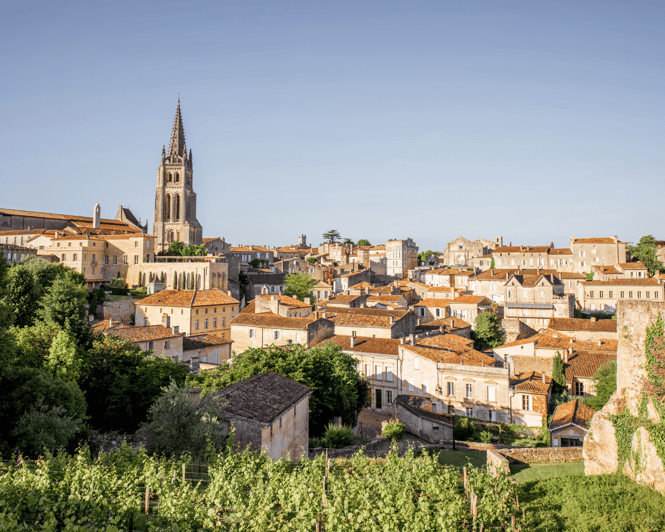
[121,382]
[337,387]
[175,281]
[364,242]
[64,359]
[605,380]
[646,251]
[175,248]
[312,260]
[488,331]
[21,296]
[192,250]
[558,374]
[332,236]
[299,285]
[492,264]
[64,306]
[33,344]
[177,425]
[349,242]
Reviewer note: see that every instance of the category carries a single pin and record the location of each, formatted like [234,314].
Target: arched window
[170,177]
[167,208]
[176,213]
[177,177]
[170,236]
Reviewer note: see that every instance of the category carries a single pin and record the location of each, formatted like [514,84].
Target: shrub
[394,430]
[463,428]
[314,443]
[486,436]
[338,436]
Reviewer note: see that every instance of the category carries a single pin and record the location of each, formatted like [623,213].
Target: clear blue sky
[422,119]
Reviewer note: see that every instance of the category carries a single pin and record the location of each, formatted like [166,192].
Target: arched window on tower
[170,236]
[177,177]
[176,213]
[167,208]
[170,177]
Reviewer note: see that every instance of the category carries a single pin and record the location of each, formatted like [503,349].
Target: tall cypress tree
[558,374]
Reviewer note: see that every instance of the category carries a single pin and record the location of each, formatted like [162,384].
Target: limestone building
[175,200]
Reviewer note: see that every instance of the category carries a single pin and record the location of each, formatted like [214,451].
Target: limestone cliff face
[600,444]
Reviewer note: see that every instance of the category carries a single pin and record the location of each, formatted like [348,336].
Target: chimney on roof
[325,314]
[565,356]
[544,377]
[511,366]
[441,329]
[166,320]
[402,341]
[392,319]
[96,216]
[308,301]
[413,339]
[593,319]
[110,322]
[600,342]
[352,341]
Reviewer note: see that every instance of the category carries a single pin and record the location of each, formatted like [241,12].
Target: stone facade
[175,200]
[604,251]
[603,296]
[206,273]
[401,256]
[460,251]
[600,445]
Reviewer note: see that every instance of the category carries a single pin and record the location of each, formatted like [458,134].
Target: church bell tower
[175,200]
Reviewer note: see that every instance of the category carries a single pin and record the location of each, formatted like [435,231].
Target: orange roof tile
[572,413]
[188,298]
[624,282]
[531,382]
[143,334]
[364,344]
[437,302]
[578,324]
[601,240]
[273,321]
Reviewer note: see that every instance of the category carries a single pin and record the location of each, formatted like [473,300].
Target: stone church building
[175,200]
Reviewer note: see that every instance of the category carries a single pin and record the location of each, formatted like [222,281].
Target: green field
[459,459]
[528,473]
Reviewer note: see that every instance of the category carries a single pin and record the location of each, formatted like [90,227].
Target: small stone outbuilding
[269,412]
[417,416]
[570,423]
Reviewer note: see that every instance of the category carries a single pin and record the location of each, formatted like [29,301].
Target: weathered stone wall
[600,444]
[543,455]
[118,310]
[497,462]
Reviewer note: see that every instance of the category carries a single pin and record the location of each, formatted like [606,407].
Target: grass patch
[459,459]
[528,473]
[607,503]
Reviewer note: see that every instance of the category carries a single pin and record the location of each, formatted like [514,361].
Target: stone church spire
[177,146]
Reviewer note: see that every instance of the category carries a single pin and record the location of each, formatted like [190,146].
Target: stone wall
[600,444]
[118,310]
[542,455]
[497,462]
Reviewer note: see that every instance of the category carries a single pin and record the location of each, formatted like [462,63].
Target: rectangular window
[591,294]
[469,412]
[622,294]
[491,394]
[223,322]
[648,295]
[277,335]
[416,363]
[251,333]
[579,388]
[450,389]
[389,397]
[151,346]
[167,344]
[92,261]
[410,385]
[526,402]
[176,329]
[377,372]
[425,386]
[368,370]
[469,391]
[611,294]
[136,259]
[75,257]
[106,259]
[124,259]
[63,258]
[389,373]
[196,325]
[600,294]
[639,294]
[214,323]
[630,294]
[115,259]
[205,323]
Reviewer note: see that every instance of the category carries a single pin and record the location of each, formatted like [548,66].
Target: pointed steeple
[177,146]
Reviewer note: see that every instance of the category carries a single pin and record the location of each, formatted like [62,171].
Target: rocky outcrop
[601,449]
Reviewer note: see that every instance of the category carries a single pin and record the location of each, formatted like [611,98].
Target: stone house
[255,330]
[531,393]
[322,291]
[492,283]
[417,416]
[14,254]
[371,322]
[239,257]
[347,301]
[626,270]
[189,312]
[260,282]
[570,281]
[378,361]
[161,340]
[431,309]
[450,325]
[561,259]
[269,413]
[386,302]
[209,349]
[346,280]
[480,264]
[216,245]
[461,251]
[603,296]
[583,329]
[522,256]
[570,423]
[448,277]
[469,307]
[534,299]
[588,252]
[401,256]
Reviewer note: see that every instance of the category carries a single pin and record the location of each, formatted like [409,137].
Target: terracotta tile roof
[531,382]
[287,301]
[361,286]
[188,298]
[206,240]
[382,247]
[497,274]
[415,404]
[438,302]
[471,300]
[530,281]
[624,282]
[584,364]
[343,299]
[364,317]
[573,412]
[561,251]
[446,289]
[578,324]
[364,344]
[262,397]
[382,289]
[143,334]
[602,240]
[522,249]
[632,265]
[445,341]
[452,323]
[450,352]
[384,298]
[272,320]
[571,275]
[250,308]
[201,341]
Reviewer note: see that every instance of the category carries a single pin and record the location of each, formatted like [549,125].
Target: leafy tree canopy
[605,380]
[646,252]
[349,242]
[332,236]
[177,248]
[558,375]
[492,264]
[64,306]
[488,331]
[299,285]
[338,389]
[364,242]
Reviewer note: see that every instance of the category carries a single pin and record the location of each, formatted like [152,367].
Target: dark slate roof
[262,397]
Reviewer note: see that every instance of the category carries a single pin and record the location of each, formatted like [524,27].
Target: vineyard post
[183,472]
[147,496]
[465,485]
[173,480]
